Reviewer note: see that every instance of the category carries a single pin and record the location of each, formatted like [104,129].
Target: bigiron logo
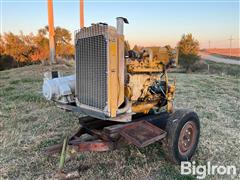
[201,171]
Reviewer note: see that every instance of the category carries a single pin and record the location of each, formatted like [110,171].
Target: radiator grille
[91,71]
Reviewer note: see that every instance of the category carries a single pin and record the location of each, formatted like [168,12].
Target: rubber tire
[173,128]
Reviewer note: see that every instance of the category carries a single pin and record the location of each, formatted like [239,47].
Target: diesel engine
[111,84]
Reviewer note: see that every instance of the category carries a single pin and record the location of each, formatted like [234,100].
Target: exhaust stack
[120,24]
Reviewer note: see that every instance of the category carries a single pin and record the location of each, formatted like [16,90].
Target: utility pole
[209,44]
[230,49]
[81,14]
[51,32]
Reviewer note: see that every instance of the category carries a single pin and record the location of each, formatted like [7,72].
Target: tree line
[19,49]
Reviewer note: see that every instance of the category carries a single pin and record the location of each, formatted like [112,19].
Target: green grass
[24,80]
[29,123]
[224,69]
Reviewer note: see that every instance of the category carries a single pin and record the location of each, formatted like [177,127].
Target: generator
[127,98]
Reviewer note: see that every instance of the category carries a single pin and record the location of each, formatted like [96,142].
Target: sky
[151,22]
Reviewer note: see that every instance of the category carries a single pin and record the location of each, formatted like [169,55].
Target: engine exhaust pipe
[120,24]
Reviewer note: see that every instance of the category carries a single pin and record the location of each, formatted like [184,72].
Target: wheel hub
[187,137]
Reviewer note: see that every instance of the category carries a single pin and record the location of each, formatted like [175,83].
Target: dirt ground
[219,59]
[29,123]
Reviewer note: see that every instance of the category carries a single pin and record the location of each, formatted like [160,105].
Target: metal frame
[110,135]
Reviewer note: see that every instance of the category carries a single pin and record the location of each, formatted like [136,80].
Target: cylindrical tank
[57,88]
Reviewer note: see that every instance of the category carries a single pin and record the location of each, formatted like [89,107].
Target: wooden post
[51,32]
[81,14]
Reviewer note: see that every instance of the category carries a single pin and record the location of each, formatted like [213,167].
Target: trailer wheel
[183,130]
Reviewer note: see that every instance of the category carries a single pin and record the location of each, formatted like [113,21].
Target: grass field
[234,52]
[28,124]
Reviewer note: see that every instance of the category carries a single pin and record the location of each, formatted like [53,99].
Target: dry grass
[28,124]
[234,52]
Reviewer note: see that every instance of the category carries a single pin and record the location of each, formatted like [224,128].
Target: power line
[232,42]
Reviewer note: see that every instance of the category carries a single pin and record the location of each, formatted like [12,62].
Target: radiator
[99,71]
[91,67]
